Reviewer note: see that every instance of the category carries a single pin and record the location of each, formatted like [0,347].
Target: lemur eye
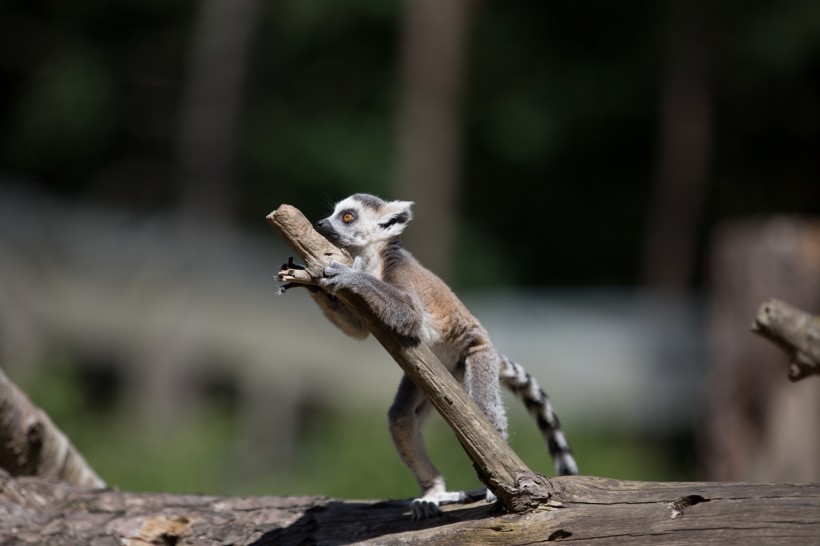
[348,217]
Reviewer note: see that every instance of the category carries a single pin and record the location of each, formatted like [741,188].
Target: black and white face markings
[370,201]
[363,219]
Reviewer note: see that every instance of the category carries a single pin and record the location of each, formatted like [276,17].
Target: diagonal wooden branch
[515,485]
[31,445]
[796,332]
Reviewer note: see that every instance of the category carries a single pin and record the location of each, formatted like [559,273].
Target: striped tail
[525,387]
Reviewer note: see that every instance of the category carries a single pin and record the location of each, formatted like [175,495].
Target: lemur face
[363,219]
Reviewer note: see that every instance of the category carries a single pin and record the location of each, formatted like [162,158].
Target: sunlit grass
[340,452]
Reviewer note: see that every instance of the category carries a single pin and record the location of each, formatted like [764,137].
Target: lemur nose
[320,223]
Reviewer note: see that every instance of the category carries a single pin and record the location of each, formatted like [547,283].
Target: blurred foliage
[560,116]
[343,452]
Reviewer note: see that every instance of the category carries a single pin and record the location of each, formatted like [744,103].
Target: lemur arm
[336,312]
[398,309]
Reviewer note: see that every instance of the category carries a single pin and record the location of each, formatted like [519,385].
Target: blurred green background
[548,146]
[344,452]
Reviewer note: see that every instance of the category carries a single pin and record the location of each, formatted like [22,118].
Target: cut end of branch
[531,491]
[282,215]
[306,242]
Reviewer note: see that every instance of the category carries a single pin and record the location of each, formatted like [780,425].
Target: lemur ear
[396,215]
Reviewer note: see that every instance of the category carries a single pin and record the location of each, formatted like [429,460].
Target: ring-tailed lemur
[415,302]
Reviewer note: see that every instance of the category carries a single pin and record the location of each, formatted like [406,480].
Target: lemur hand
[338,275]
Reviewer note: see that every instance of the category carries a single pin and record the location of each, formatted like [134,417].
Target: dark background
[588,149]
[560,117]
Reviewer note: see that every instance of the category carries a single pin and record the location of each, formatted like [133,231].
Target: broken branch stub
[32,445]
[316,251]
[796,332]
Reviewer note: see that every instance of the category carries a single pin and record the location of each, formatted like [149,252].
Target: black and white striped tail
[525,387]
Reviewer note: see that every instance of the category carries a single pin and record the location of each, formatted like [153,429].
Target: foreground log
[592,510]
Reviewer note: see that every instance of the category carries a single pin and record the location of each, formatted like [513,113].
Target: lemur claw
[424,509]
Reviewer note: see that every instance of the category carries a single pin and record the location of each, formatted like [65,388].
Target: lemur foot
[424,509]
[429,505]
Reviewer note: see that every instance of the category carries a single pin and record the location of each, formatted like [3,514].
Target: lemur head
[362,220]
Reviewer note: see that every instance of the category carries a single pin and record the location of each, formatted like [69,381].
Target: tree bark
[211,100]
[684,148]
[586,509]
[433,55]
[31,445]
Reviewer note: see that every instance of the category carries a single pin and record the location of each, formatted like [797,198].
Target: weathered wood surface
[31,445]
[497,465]
[583,509]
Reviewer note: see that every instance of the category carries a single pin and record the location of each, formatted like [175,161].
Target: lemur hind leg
[409,409]
[481,382]
[481,373]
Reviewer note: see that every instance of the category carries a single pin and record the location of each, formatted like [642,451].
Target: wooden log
[583,509]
